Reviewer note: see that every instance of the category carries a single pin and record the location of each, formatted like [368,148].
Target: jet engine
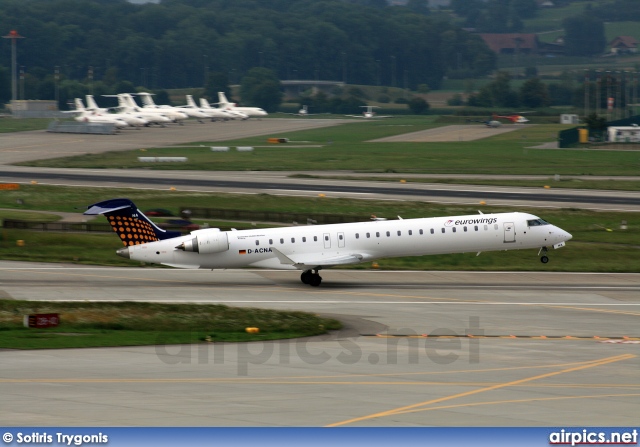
[206,242]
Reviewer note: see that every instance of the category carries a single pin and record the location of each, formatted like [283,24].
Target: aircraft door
[509,232]
[340,240]
[327,240]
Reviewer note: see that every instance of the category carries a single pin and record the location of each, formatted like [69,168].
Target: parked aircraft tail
[91,103]
[79,105]
[191,102]
[129,223]
[147,100]
[222,100]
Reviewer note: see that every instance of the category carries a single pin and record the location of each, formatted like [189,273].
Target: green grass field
[348,147]
[94,324]
[593,247]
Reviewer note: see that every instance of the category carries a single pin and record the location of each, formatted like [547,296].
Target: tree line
[176,43]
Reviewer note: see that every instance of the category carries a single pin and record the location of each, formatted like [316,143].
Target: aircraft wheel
[306,276]
[315,280]
[544,259]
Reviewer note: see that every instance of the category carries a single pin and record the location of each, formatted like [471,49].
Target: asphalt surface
[40,144]
[418,348]
[547,349]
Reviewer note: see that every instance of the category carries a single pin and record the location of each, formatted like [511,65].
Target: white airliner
[231,106]
[210,112]
[126,104]
[231,114]
[369,113]
[131,118]
[149,103]
[312,248]
[87,116]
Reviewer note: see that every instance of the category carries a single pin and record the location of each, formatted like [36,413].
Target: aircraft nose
[565,235]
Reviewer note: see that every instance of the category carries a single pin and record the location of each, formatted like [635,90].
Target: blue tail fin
[130,224]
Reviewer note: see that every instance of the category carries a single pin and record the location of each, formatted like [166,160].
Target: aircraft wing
[307,262]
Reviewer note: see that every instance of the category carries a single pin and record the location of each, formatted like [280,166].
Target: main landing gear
[311,277]
[544,258]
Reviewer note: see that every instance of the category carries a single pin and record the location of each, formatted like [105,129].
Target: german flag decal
[242,252]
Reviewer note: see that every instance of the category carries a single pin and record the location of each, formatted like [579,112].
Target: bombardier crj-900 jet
[312,248]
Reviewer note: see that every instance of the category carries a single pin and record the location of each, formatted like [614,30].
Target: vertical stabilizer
[79,105]
[91,103]
[222,100]
[191,102]
[129,223]
[147,100]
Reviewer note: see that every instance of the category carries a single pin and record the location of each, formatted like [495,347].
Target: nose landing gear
[311,277]
[544,258]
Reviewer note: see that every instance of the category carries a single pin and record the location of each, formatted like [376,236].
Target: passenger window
[432,231]
[257,242]
[410,232]
[340,237]
[315,238]
[486,228]
[399,233]
[281,241]
[326,238]
[465,229]
[454,229]
[357,235]
[421,232]
[293,240]
[475,227]
[270,241]
[304,239]
[368,235]
[388,234]
[443,230]
[377,234]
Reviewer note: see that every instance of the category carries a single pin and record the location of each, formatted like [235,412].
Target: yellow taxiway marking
[513,383]
[517,401]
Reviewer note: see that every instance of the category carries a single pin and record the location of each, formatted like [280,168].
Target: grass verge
[90,324]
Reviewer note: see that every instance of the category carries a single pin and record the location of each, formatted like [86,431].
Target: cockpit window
[537,222]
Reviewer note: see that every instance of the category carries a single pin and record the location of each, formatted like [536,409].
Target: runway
[418,349]
[278,183]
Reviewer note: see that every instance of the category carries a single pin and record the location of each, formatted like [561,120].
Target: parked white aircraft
[131,118]
[209,112]
[369,113]
[231,106]
[87,116]
[304,111]
[149,103]
[233,114]
[312,248]
[126,104]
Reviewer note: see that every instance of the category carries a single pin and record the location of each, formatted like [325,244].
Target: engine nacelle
[206,242]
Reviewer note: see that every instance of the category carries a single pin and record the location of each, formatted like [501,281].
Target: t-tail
[129,223]
[147,100]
